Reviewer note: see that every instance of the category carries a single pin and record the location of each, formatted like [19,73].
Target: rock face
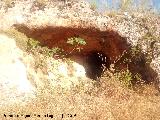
[14,84]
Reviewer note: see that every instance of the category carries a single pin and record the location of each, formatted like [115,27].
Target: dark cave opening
[97,62]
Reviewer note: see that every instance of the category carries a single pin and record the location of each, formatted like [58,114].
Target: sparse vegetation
[32,44]
[125,77]
[76,42]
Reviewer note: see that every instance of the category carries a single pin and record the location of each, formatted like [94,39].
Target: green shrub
[76,42]
[125,77]
[32,44]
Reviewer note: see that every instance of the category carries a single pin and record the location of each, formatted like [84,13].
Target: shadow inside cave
[97,63]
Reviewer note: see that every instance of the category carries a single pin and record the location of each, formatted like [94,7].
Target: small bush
[32,44]
[125,77]
[76,42]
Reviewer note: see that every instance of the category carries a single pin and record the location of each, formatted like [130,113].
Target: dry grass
[108,101]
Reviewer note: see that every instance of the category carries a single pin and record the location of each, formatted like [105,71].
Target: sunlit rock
[14,84]
[79,70]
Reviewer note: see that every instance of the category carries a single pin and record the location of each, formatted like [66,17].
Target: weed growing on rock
[32,44]
[76,42]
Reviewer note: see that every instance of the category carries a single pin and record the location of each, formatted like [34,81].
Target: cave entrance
[95,63]
[102,49]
